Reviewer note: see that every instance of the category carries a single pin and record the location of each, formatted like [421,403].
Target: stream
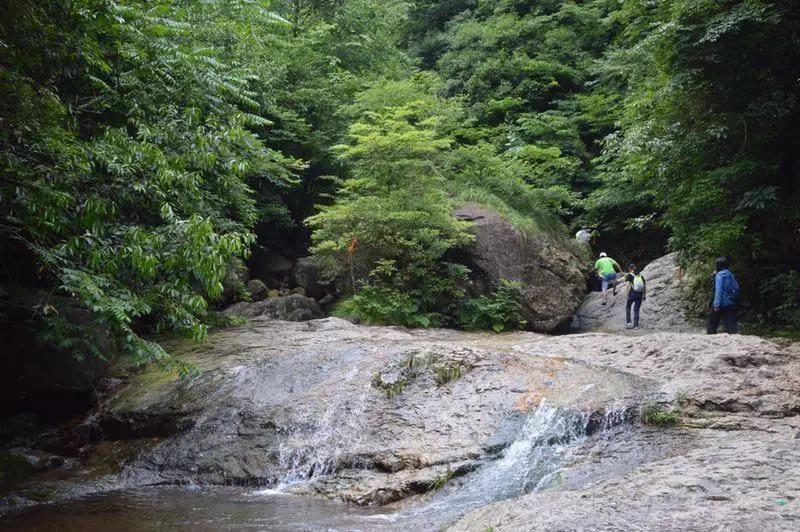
[427,429]
[550,442]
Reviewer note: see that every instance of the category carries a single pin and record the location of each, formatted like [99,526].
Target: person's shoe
[629,325]
[603,303]
[635,327]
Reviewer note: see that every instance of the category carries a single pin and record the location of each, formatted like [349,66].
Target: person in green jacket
[608,270]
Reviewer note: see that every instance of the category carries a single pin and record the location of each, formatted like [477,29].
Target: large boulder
[258,290]
[306,274]
[553,284]
[271,267]
[365,414]
[664,309]
[294,307]
[380,414]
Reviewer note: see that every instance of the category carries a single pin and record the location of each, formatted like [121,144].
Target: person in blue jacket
[726,299]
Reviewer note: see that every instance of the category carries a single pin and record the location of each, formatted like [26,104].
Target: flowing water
[304,457]
[545,443]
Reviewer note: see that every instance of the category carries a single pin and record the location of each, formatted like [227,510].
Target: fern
[499,311]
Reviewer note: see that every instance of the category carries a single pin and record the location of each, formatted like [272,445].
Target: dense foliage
[147,146]
[129,160]
[390,237]
[141,142]
[707,140]
[524,69]
[671,124]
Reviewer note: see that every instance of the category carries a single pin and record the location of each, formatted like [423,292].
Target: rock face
[733,465]
[552,283]
[517,431]
[294,307]
[664,309]
[370,415]
[306,274]
[258,290]
[741,482]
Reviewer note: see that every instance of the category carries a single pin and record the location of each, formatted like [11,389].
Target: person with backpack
[637,294]
[583,236]
[726,299]
[607,269]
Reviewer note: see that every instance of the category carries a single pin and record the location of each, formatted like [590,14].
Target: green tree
[389,233]
[528,74]
[706,146]
[130,156]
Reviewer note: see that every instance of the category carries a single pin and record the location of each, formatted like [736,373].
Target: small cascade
[544,444]
[308,454]
[542,447]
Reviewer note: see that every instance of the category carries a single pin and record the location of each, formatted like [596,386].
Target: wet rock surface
[368,415]
[732,466]
[506,431]
[664,309]
[740,481]
[552,285]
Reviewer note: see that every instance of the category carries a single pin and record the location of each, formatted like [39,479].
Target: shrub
[382,305]
[499,311]
[780,298]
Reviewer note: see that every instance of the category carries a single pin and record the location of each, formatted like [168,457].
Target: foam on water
[267,493]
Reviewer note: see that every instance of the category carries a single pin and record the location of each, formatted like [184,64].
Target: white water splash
[532,462]
[306,455]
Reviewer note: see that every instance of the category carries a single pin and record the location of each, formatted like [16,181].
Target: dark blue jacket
[726,289]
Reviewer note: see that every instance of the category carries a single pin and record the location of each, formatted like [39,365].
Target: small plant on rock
[682,399]
[653,414]
[390,389]
[439,482]
[449,373]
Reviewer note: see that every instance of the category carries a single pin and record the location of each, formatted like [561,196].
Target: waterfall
[532,462]
[307,454]
[543,445]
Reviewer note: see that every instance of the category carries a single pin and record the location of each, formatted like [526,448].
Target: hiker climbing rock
[726,299]
[637,294]
[608,269]
[583,236]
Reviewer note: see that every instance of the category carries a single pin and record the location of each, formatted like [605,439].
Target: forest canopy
[146,147]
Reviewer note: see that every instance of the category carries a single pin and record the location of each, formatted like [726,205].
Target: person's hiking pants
[635,299]
[726,314]
[609,278]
